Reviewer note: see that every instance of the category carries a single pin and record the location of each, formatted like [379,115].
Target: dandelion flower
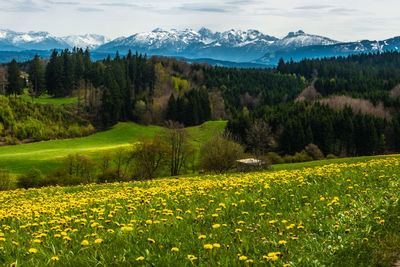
[33,250]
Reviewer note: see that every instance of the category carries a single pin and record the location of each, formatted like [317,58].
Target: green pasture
[46,155]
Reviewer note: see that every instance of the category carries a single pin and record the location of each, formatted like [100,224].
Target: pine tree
[37,76]
[171,109]
[15,83]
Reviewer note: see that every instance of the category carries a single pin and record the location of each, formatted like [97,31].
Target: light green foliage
[24,121]
[180,85]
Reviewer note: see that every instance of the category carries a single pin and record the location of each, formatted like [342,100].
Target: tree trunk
[79,98]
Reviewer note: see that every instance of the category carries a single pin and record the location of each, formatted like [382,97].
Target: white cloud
[340,19]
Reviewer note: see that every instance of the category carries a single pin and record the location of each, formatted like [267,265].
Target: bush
[33,178]
[288,159]
[149,156]
[274,158]
[108,176]
[314,152]
[220,154]
[302,157]
[331,156]
[79,167]
[5,180]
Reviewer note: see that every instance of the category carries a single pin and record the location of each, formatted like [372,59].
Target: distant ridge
[228,48]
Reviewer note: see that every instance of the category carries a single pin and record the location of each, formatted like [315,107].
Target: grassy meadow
[333,215]
[48,99]
[47,155]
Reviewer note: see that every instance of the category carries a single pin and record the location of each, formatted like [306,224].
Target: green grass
[45,156]
[345,214]
[47,99]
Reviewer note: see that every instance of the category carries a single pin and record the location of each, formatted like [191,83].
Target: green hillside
[46,155]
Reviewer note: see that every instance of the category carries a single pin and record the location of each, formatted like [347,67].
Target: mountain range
[217,48]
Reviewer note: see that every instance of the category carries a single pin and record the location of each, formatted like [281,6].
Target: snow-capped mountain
[91,41]
[19,41]
[301,39]
[233,45]
[330,50]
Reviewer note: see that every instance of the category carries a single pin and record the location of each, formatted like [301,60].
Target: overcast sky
[342,20]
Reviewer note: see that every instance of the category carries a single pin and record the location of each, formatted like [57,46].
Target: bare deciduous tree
[259,138]
[180,151]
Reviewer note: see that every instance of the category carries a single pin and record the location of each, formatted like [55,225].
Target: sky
[342,20]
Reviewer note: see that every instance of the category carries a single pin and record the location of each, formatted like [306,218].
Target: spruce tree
[15,82]
[37,76]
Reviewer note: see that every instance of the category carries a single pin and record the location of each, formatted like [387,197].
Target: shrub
[5,180]
[302,157]
[108,176]
[288,159]
[314,151]
[331,156]
[219,154]
[274,158]
[33,178]
[149,156]
[79,167]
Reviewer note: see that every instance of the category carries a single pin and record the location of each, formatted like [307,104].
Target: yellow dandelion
[216,226]
[98,241]
[208,246]
[174,249]
[33,250]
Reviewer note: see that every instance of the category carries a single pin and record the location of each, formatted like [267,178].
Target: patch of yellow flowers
[200,215]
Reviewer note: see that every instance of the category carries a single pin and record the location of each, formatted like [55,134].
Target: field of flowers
[338,214]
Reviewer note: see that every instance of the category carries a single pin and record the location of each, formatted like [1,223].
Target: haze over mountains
[251,46]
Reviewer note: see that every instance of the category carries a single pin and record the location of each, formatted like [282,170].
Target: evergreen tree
[171,109]
[37,76]
[15,82]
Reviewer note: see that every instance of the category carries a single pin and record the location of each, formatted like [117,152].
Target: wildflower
[216,226]
[151,240]
[140,258]
[242,258]
[238,230]
[98,241]
[282,242]
[208,246]
[174,249]
[192,257]
[33,250]
[202,237]
[216,245]
[84,243]
[55,258]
